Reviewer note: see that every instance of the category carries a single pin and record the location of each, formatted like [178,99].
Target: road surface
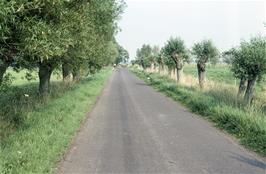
[134,129]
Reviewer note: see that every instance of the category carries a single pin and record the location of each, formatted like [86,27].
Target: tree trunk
[3,68]
[201,74]
[242,87]
[179,67]
[66,69]
[45,72]
[178,75]
[142,64]
[249,91]
[76,75]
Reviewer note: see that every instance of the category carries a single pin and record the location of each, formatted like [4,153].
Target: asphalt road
[134,129]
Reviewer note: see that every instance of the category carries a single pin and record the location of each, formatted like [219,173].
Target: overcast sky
[226,22]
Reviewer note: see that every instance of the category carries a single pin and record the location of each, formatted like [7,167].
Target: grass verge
[42,133]
[221,107]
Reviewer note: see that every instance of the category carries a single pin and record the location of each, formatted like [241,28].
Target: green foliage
[123,55]
[169,62]
[205,51]
[249,60]
[227,56]
[175,49]
[156,54]
[144,56]
[249,64]
[6,82]
[95,45]
[50,33]
[175,45]
[159,58]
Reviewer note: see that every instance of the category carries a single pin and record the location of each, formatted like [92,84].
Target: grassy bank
[35,132]
[218,106]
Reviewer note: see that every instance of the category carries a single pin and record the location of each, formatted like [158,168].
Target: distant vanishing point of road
[134,129]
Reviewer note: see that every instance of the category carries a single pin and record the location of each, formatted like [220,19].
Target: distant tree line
[247,61]
[75,36]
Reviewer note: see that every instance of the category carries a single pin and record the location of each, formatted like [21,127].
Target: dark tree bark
[242,87]
[45,72]
[179,66]
[142,64]
[76,75]
[201,73]
[161,65]
[178,74]
[250,90]
[3,68]
[66,69]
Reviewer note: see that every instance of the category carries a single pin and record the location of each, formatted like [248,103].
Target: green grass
[215,73]
[218,106]
[221,73]
[19,78]
[35,132]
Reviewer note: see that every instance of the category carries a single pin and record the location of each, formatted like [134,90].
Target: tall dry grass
[210,85]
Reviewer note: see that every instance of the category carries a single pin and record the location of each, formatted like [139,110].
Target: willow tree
[205,52]
[123,55]
[94,45]
[73,17]
[45,37]
[175,49]
[9,36]
[48,34]
[144,56]
[155,53]
[227,56]
[30,31]
[249,63]
[231,56]
[160,61]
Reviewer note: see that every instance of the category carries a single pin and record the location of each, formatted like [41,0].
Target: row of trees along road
[247,61]
[75,35]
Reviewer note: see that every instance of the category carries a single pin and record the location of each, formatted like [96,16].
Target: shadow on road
[253,162]
[141,84]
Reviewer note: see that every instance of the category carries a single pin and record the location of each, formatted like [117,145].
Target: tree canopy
[122,56]
[77,34]
[144,56]
[249,63]
[176,54]
[205,51]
